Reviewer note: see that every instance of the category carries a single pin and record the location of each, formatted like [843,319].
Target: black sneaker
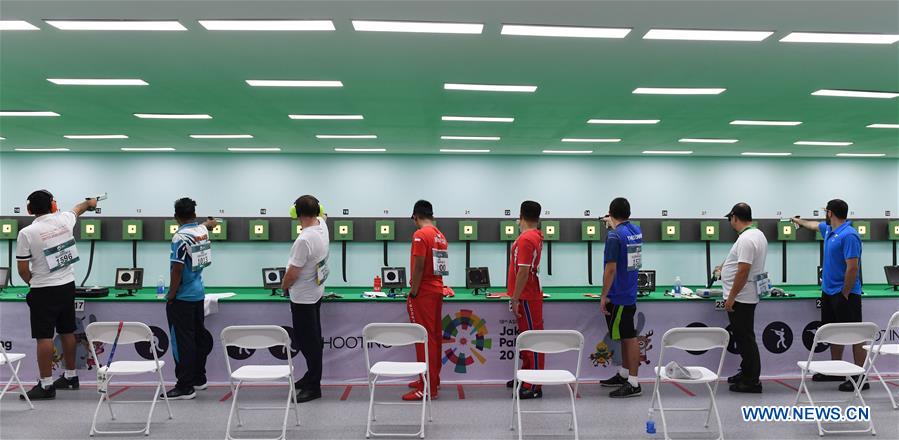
[849,388]
[66,384]
[179,394]
[299,384]
[744,387]
[201,386]
[735,378]
[307,395]
[40,393]
[615,381]
[529,393]
[510,384]
[818,377]
[626,390]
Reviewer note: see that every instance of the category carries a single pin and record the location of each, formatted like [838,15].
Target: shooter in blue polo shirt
[622,261]
[841,287]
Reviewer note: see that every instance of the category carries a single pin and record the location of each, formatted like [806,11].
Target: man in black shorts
[45,254]
[841,287]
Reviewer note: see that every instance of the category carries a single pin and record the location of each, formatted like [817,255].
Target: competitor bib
[634,257]
[321,272]
[61,255]
[441,262]
[201,255]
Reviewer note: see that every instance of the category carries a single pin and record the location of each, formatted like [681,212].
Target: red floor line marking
[785,384]
[225,397]
[346,392]
[684,389]
[13,387]
[893,384]
[461,391]
[119,391]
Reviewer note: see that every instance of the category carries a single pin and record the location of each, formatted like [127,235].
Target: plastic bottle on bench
[677,287]
[160,287]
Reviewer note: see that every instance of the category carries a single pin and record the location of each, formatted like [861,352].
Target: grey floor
[472,412]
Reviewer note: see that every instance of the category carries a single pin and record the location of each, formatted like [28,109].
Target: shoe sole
[37,398]
[201,387]
[309,399]
[187,397]
[610,385]
[627,395]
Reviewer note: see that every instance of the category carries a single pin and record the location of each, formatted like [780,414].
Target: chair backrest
[395,334]
[549,341]
[696,338]
[105,332]
[254,336]
[894,322]
[3,352]
[846,333]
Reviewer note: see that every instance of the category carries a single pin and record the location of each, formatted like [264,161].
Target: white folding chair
[13,360]
[396,335]
[887,350]
[844,333]
[131,333]
[547,342]
[691,339]
[258,337]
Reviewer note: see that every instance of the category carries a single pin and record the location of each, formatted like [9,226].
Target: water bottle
[160,288]
[677,287]
[650,424]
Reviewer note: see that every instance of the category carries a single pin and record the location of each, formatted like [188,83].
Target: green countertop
[354,294]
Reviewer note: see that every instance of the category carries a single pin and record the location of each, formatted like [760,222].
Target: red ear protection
[53,207]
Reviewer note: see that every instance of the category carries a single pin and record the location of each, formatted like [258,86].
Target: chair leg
[573,413]
[514,393]
[293,394]
[709,416]
[801,385]
[165,396]
[287,408]
[714,406]
[858,393]
[96,413]
[231,411]
[371,405]
[518,407]
[237,407]
[15,376]
[658,397]
[109,402]
[424,405]
[882,382]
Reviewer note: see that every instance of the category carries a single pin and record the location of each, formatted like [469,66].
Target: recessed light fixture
[470,138]
[253,150]
[2,138]
[457,150]
[292,83]
[855,94]
[42,149]
[678,91]
[623,121]
[882,126]
[756,153]
[222,136]
[27,113]
[172,116]
[679,152]
[17,25]
[475,119]
[147,149]
[708,141]
[821,37]
[360,150]
[823,143]
[489,87]
[568,151]
[97,82]
[564,31]
[706,35]
[346,136]
[96,136]
[267,25]
[325,117]
[861,154]
[117,25]
[418,27]
[591,140]
[776,123]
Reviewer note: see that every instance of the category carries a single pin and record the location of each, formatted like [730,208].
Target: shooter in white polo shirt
[45,254]
[307,270]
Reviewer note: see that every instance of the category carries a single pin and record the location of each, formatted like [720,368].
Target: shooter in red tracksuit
[525,294]
[428,266]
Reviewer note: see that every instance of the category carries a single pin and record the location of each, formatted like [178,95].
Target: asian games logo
[465,338]
[604,354]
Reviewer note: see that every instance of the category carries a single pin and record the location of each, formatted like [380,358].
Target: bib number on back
[201,255]
[321,272]
[441,262]
[634,257]
[61,255]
